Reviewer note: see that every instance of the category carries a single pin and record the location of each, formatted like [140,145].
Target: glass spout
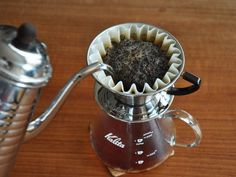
[38,124]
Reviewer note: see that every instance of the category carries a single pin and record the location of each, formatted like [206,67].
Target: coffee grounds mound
[136,62]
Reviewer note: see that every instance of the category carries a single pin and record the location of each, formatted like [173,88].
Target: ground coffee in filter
[137,62]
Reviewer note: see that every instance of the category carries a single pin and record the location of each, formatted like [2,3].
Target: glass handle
[192,122]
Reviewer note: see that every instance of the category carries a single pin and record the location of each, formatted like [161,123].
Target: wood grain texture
[207,32]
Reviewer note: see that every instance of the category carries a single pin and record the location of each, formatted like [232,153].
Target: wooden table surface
[207,32]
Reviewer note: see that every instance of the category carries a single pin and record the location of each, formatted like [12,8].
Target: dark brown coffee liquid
[129,146]
[136,62]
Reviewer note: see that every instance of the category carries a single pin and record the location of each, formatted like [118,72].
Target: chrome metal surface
[16,108]
[29,68]
[151,107]
[41,122]
[23,72]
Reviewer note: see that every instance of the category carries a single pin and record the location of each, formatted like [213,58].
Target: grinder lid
[23,59]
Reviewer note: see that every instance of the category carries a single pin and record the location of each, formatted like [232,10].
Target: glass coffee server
[135,131]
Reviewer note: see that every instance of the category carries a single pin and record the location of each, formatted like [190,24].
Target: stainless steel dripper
[24,69]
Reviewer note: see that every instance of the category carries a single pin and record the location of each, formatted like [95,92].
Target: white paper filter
[140,32]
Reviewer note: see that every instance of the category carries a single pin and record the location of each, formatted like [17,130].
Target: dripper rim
[181,67]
